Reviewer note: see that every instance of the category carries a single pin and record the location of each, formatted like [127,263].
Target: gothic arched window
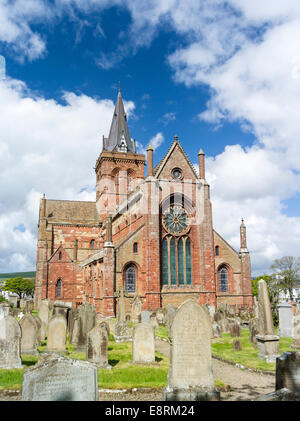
[58,288]
[60,255]
[130,279]
[217,249]
[223,279]
[176,261]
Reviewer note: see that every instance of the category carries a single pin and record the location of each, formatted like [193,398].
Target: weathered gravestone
[267,341]
[73,325]
[145,316]
[87,317]
[285,320]
[122,331]
[44,316]
[253,330]
[224,325]
[216,330]
[288,371]
[143,345]
[136,308]
[4,310]
[30,335]
[170,311]
[190,375]
[97,347]
[237,346]
[10,343]
[153,321]
[57,334]
[28,307]
[57,378]
[235,330]
[105,325]
[160,316]
[296,322]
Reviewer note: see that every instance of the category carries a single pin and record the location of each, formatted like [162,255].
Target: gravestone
[280,395]
[288,371]
[105,325]
[136,308]
[267,341]
[97,345]
[218,316]
[122,332]
[170,311]
[57,378]
[57,334]
[190,375]
[73,325]
[235,330]
[10,343]
[4,310]
[87,317]
[145,316]
[121,305]
[44,316]
[216,330]
[224,325]
[143,345]
[296,322]
[60,308]
[153,321]
[253,330]
[255,308]
[285,320]
[160,316]
[237,346]
[30,335]
[28,307]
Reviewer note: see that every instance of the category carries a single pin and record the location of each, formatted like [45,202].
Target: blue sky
[223,76]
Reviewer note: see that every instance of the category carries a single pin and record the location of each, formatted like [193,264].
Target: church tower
[119,169]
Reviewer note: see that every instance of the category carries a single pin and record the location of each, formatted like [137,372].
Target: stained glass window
[188,261]
[165,261]
[130,278]
[176,261]
[223,279]
[175,220]
[58,288]
[180,261]
[173,262]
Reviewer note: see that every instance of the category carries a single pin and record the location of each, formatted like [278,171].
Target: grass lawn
[248,356]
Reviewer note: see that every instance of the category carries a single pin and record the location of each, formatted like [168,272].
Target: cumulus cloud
[45,147]
[155,142]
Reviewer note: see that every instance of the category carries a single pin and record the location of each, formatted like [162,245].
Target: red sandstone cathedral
[150,234]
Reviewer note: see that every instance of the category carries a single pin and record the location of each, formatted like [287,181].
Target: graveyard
[63,353]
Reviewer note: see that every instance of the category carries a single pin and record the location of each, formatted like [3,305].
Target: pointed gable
[175,158]
[60,255]
[119,139]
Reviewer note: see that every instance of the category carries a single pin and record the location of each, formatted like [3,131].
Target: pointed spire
[243,237]
[119,139]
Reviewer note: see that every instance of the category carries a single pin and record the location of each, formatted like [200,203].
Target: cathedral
[150,234]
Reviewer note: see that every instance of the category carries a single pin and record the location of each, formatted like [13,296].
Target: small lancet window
[217,250]
[58,288]
[135,247]
[92,244]
[60,255]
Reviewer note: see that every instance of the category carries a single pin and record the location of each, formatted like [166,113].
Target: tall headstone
[87,317]
[4,310]
[30,335]
[57,378]
[267,341]
[285,320]
[143,345]
[288,371]
[136,309]
[73,326]
[190,375]
[97,347]
[160,316]
[28,307]
[44,316]
[153,320]
[253,330]
[122,331]
[57,334]
[235,330]
[10,343]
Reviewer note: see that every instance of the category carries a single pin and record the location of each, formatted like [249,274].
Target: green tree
[20,286]
[286,274]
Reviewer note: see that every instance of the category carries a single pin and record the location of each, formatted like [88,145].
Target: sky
[222,75]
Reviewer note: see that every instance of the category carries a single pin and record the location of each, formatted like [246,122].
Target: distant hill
[14,275]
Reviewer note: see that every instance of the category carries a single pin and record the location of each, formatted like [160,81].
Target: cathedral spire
[119,139]
[243,238]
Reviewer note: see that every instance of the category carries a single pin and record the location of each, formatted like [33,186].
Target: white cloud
[155,142]
[45,147]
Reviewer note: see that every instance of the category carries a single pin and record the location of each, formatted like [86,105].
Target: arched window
[60,255]
[130,279]
[217,248]
[92,244]
[58,288]
[223,279]
[135,247]
[176,261]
